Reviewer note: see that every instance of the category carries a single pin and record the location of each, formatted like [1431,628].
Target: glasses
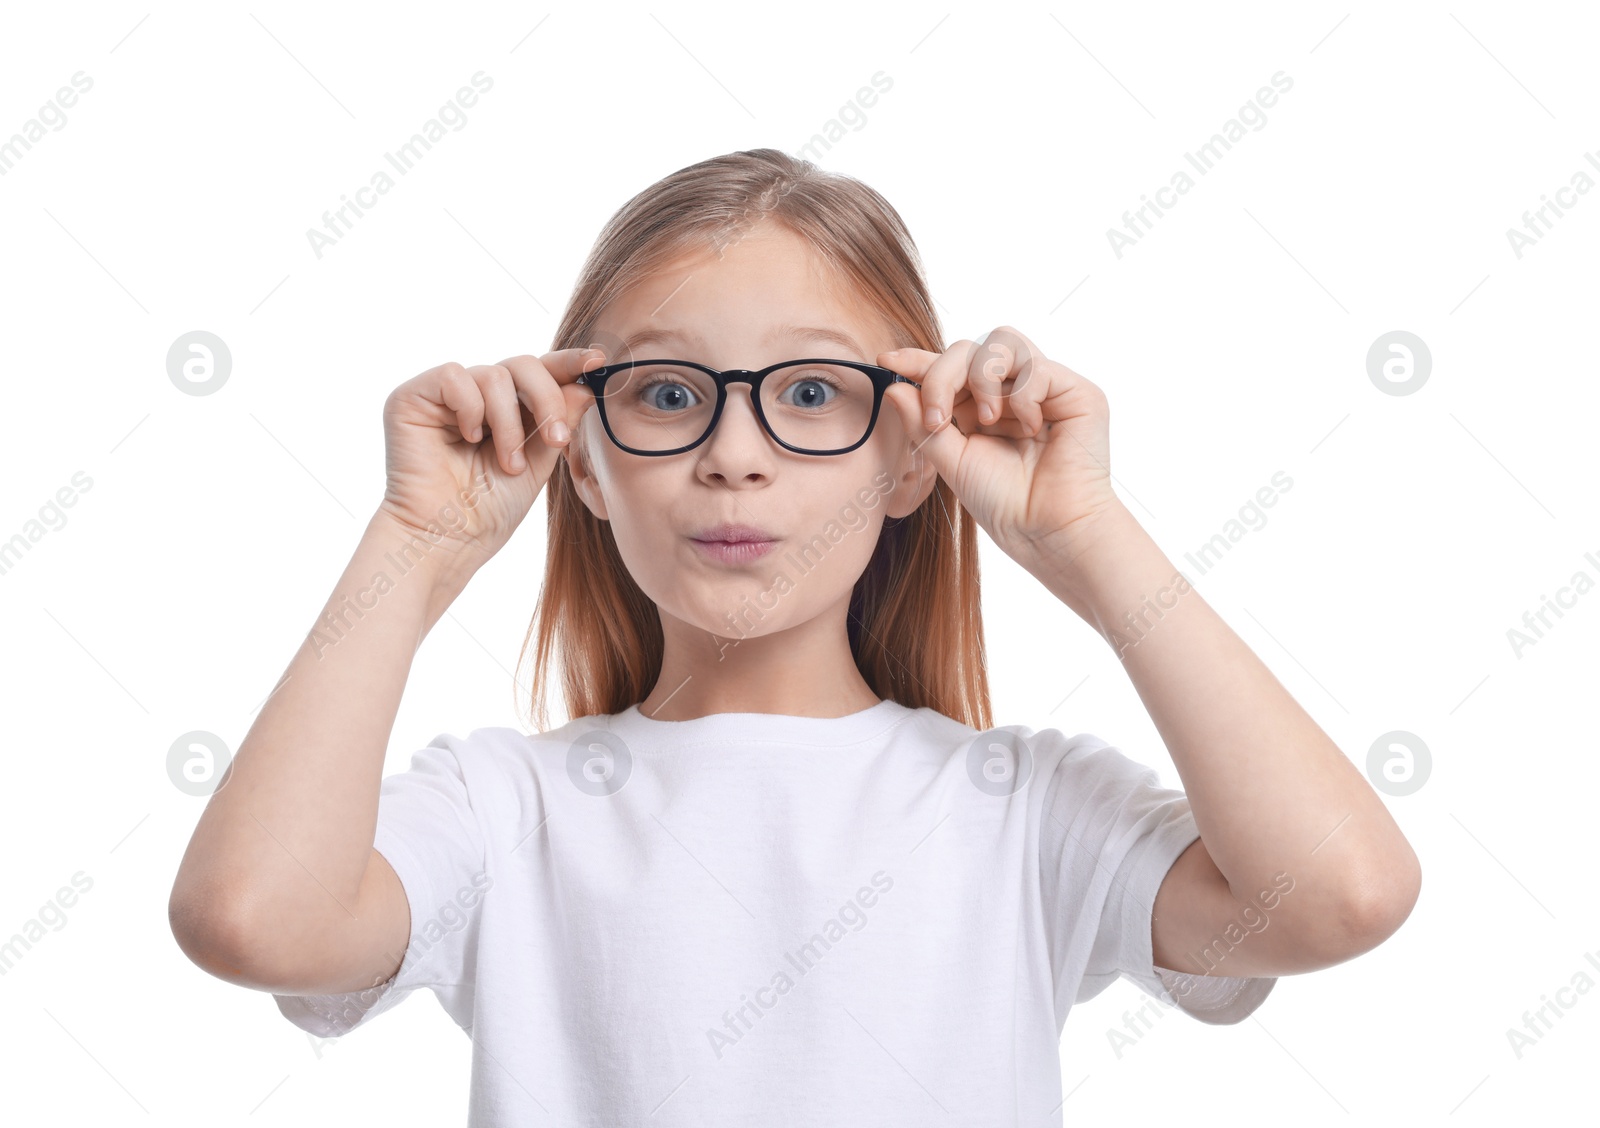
[659,407]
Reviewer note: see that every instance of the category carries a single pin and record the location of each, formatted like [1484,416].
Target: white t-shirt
[878,919]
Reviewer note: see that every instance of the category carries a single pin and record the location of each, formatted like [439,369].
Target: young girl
[779,867]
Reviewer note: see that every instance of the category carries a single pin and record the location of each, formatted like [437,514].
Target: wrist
[432,558]
[1064,558]
[1104,567]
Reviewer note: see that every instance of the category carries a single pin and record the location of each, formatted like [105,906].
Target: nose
[738,446]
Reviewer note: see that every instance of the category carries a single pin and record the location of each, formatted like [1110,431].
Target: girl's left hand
[1035,472]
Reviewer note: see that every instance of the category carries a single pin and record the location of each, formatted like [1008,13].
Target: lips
[733,534]
[734,544]
[734,552]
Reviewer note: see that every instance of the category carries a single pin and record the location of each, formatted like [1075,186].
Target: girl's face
[756,304]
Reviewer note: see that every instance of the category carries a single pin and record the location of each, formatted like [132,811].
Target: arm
[1270,792]
[1275,799]
[280,888]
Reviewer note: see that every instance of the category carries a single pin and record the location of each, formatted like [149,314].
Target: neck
[802,671]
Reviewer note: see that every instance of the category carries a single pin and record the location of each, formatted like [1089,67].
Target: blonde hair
[914,623]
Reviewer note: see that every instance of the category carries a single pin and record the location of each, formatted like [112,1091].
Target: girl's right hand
[469,449]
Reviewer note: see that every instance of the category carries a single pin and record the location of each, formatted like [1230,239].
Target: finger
[947,380]
[1009,426]
[547,388]
[1023,375]
[912,363]
[566,365]
[500,407]
[941,375]
[1034,378]
[942,448]
[1027,398]
[906,402]
[992,362]
[459,392]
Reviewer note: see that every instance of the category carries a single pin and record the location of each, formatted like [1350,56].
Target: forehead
[767,290]
[836,337]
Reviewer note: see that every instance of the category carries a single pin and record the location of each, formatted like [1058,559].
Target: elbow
[210,935]
[1381,899]
[1359,911]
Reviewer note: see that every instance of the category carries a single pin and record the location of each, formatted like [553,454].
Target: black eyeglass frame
[882,380]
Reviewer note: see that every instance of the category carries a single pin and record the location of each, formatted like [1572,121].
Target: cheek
[639,521]
[867,491]
[828,550]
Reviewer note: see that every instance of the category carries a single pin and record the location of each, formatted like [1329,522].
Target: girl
[779,866]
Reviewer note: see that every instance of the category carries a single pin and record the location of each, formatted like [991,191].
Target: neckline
[766,728]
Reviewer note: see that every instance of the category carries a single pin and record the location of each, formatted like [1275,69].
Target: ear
[913,482]
[578,466]
[914,474]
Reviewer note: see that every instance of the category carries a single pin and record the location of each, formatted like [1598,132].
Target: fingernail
[517,461]
[987,412]
[932,417]
[558,432]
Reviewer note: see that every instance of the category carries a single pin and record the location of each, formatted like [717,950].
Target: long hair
[914,623]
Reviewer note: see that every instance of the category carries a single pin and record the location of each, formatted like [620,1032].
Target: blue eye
[814,383]
[673,400]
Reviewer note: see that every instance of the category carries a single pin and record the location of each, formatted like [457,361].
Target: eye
[672,396]
[812,390]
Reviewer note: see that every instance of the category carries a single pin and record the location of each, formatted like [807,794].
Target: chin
[738,614]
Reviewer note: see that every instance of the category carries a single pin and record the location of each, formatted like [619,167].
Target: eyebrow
[793,332]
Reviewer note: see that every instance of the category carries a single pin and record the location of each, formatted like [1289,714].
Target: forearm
[291,827]
[1270,790]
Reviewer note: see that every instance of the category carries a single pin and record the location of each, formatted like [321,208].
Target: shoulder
[497,776]
[1040,758]
[1085,770]
[474,753]
[1044,765]
[496,760]
[503,745]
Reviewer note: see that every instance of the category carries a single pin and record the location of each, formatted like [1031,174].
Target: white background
[1231,340]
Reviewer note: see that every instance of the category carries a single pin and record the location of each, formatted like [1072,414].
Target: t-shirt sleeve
[1109,832]
[428,830]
